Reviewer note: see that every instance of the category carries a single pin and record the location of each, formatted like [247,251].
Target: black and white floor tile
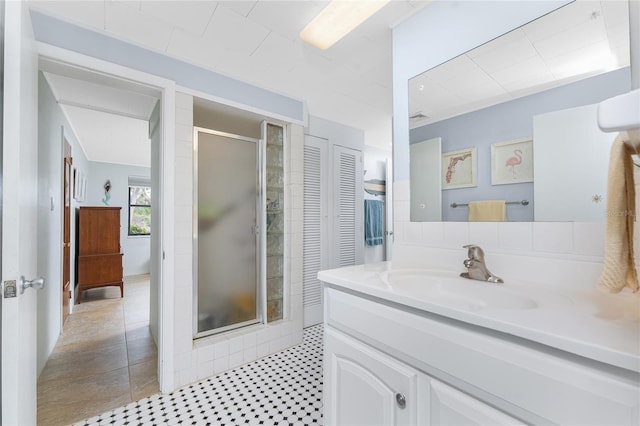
[281,389]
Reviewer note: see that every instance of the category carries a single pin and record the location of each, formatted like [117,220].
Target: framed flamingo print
[512,161]
[459,168]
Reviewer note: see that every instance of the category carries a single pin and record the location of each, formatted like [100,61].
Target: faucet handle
[474,252]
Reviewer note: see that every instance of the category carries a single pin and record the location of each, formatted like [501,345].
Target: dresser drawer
[102,268]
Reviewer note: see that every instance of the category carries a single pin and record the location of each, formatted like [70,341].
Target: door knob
[37,283]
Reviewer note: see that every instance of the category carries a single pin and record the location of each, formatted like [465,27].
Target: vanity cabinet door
[449,406]
[366,387]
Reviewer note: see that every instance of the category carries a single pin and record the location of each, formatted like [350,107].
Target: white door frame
[388,235]
[166,191]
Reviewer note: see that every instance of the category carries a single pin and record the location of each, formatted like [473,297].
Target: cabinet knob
[401,400]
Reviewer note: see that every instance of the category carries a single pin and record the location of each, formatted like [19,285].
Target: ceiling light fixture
[338,19]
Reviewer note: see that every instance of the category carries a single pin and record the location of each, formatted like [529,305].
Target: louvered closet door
[315,227]
[348,200]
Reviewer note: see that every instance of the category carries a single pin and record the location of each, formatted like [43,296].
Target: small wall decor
[107,195]
[79,185]
[75,178]
[82,187]
[512,161]
[459,168]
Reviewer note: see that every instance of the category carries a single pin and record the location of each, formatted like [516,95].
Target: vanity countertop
[583,321]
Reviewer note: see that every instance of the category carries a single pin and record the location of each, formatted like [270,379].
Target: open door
[19,233]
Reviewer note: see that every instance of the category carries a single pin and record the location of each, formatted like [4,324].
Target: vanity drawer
[529,381]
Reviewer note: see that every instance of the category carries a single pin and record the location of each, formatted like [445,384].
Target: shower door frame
[259,235]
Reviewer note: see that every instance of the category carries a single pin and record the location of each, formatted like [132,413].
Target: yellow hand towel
[487,211]
[619,265]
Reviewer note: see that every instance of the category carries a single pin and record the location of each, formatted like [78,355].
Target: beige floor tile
[100,293]
[108,307]
[137,330]
[65,402]
[144,379]
[135,302]
[105,355]
[141,350]
[99,304]
[132,279]
[96,332]
[82,361]
[133,316]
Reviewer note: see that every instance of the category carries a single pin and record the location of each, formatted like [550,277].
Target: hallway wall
[51,125]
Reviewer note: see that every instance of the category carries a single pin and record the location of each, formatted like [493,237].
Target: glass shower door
[226,241]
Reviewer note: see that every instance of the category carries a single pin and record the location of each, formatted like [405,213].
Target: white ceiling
[258,41]
[577,41]
[111,123]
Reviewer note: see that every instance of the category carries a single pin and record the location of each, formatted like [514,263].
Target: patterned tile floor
[281,389]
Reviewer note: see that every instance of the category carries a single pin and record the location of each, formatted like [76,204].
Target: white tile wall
[195,360]
[517,236]
[573,251]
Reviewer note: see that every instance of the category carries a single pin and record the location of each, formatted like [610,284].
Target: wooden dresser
[99,257]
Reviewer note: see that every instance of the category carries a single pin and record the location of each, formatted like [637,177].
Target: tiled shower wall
[570,251]
[195,360]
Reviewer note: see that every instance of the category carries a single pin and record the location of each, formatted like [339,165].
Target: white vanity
[425,347]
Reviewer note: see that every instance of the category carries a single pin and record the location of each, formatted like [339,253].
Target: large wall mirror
[516,119]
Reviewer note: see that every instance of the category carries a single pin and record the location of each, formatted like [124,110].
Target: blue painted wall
[507,121]
[439,32]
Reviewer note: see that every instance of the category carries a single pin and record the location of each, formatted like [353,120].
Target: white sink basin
[461,293]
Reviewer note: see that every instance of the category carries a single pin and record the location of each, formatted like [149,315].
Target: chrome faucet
[477,270]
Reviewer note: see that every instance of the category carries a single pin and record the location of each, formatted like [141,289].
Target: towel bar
[521,202]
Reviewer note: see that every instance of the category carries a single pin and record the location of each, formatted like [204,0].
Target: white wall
[51,124]
[335,133]
[136,249]
[563,138]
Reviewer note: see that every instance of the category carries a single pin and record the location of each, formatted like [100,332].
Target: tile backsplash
[582,239]
[573,250]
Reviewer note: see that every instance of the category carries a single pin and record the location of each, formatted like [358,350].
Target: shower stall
[233,223]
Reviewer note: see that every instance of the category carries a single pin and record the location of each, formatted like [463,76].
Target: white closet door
[348,214]
[314,247]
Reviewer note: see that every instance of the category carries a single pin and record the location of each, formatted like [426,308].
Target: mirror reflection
[515,121]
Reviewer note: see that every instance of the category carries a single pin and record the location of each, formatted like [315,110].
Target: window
[139,210]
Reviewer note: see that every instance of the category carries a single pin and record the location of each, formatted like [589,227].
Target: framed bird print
[512,161]
[459,168]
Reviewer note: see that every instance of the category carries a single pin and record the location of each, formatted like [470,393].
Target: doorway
[107,339]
